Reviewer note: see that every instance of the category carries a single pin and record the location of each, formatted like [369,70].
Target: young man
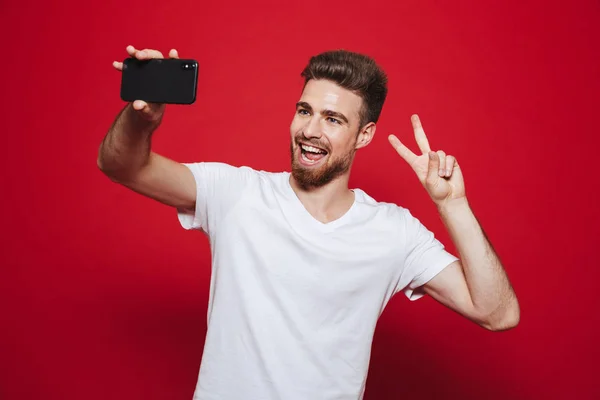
[303,266]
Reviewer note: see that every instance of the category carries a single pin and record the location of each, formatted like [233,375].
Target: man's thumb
[150,111]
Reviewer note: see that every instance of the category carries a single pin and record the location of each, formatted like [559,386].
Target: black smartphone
[169,80]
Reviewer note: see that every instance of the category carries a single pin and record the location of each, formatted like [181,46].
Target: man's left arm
[476,286]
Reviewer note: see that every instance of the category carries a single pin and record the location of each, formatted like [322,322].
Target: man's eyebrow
[330,113]
[327,113]
[303,104]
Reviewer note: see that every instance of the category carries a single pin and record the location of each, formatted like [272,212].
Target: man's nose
[312,129]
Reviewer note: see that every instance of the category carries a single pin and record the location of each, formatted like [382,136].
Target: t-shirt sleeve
[219,187]
[425,257]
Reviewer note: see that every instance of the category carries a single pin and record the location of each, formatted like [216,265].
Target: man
[303,266]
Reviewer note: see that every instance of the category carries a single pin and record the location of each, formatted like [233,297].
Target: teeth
[312,149]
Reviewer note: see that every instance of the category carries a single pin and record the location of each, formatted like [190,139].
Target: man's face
[324,133]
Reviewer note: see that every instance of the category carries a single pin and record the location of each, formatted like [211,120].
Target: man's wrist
[452,206]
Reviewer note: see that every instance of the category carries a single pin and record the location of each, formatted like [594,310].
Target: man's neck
[326,203]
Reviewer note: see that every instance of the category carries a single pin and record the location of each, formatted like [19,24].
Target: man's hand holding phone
[148,110]
[148,83]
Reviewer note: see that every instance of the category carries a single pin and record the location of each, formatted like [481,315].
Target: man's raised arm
[125,154]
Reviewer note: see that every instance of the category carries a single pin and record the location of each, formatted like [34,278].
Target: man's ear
[365,135]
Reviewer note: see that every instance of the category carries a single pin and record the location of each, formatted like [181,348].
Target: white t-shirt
[294,302]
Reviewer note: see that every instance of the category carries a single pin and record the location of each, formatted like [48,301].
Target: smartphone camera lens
[187,66]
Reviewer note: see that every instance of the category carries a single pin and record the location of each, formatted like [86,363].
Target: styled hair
[355,72]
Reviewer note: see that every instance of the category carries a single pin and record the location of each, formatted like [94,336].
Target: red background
[103,295]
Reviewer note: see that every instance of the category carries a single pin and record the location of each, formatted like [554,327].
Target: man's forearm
[489,286]
[126,147]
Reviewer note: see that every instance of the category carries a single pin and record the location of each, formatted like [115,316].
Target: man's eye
[335,121]
[302,112]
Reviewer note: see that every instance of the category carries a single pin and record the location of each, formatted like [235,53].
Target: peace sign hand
[439,173]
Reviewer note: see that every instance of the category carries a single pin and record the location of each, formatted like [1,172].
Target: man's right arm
[125,154]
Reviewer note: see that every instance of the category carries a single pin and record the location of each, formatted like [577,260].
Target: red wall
[103,295]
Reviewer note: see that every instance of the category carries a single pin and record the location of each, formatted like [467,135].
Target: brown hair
[355,72]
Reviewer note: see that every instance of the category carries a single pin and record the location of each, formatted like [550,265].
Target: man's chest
[264,245]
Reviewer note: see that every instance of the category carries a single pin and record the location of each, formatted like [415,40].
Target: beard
[308,178]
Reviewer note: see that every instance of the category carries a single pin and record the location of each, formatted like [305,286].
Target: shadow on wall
[163,344]
[423,351]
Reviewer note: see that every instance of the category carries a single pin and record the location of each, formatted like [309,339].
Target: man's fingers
[420,136]
[144,54]
[404,151]
[434,165]
[131,50]
[442,163]
[148,54]
[450,160]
